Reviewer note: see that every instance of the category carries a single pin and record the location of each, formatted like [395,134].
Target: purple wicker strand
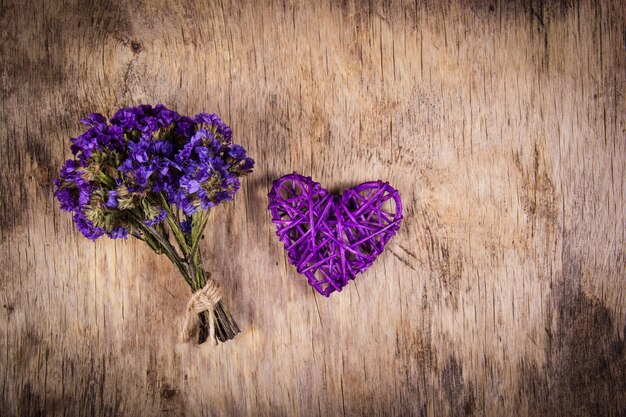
[332,239]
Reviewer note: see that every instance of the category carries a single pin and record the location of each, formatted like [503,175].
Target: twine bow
[204,299]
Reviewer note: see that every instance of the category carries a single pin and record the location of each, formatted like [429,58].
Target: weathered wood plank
[501,123]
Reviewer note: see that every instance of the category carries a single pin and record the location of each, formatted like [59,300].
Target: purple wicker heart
[331,239]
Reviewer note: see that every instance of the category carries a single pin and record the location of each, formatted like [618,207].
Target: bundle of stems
[185,254]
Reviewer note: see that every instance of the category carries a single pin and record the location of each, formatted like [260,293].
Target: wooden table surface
[502,124]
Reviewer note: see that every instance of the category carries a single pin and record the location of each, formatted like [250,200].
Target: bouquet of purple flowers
[153,174]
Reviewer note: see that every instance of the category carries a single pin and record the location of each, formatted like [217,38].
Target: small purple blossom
[237,152]
[248,164]
[94,119]
[120,232]
[185,225]
[111,199]
[86,227]
[67,199]
[156,220]
[189,185]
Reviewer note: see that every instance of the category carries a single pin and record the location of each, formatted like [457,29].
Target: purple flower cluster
[144,162]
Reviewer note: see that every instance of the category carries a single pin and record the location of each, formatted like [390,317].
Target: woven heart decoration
[331,239]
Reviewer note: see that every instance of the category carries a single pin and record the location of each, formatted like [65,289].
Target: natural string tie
[204,299]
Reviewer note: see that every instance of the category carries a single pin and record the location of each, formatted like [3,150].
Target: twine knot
[204,299]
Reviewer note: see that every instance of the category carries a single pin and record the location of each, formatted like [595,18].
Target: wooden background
[502,124]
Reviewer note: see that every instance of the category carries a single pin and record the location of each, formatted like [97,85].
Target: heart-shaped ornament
[330,239]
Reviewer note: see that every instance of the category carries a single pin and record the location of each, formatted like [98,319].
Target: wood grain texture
[501,123]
